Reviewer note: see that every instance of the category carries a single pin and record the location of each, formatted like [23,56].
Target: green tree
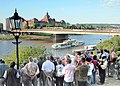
[109,44]
[25,52]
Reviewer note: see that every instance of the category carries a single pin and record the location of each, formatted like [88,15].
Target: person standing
[48,68]
[59,75]
[102,66]
[32,71]
[82,69]
[40,75]
[68,72]
[112,62]
[11,75]
[23,73]
[3,67]
[90,71]
[95,62]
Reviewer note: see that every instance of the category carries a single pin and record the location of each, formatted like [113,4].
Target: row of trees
[69,26]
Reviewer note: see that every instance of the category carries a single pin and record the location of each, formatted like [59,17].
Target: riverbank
[25,37]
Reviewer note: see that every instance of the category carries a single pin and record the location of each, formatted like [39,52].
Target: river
[6,46]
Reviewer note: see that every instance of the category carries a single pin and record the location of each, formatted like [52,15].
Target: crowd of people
[67,71]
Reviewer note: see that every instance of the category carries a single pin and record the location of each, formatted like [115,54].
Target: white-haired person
[48,68]
[32,72]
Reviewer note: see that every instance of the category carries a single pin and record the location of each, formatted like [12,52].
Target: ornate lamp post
[15,24]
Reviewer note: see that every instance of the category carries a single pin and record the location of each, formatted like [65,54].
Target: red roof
[43,20]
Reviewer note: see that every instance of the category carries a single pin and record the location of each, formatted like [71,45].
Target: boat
[88,48]
[67,44]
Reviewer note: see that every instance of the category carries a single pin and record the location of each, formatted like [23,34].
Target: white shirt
[5,74]
[91,67]
[68,72]
[48,66]
[59,69]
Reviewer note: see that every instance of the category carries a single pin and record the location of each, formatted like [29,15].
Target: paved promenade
[109,82]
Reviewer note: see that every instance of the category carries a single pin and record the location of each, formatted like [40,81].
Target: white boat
[86,48]
[60,46]
[67,44]
[90,47]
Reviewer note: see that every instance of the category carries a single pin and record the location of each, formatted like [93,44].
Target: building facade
[1,27]
[45,21]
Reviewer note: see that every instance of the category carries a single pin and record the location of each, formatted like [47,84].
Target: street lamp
[15,25]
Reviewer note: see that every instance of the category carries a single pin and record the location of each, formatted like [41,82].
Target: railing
[74,31]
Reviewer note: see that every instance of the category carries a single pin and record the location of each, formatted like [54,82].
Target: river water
[6,46]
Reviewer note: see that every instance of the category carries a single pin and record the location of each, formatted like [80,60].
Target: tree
[25,52]
[112,43]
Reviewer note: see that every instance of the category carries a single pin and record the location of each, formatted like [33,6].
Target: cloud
[110,3]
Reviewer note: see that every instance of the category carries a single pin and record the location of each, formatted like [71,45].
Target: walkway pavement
[109,82]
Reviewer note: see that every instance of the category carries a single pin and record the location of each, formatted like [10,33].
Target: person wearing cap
[32,71]
[48,68]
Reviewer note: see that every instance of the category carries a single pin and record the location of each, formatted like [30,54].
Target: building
[1,27]
[6,24]
[45,21]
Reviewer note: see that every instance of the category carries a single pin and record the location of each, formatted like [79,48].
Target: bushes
[25,52]
[112,43]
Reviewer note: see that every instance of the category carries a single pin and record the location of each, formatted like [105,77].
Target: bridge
[61,34]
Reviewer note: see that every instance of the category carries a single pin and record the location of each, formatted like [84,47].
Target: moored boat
[67,44]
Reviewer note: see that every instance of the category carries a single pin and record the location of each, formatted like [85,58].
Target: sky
[72,11]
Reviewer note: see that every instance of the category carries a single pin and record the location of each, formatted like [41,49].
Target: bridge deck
[74,31]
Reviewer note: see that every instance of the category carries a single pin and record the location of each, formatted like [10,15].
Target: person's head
[104,58]
[67,56]
[59,61]
[94,57]
[12,64]
[101,51]
[82,61]
[24,63]
[98,51]
[41,57]
[112,49]
[68,60]
[91,52]
[3,62]
[47,58]
[31,59]
[35,60]
[51,58]
[88,60]
[78,53]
